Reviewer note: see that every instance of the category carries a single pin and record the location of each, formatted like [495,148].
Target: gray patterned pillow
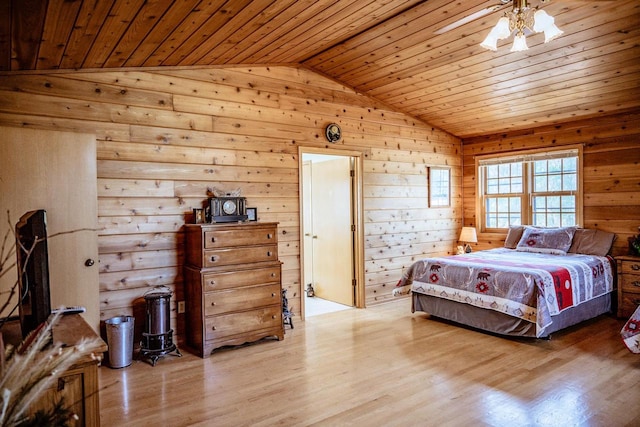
[546,240]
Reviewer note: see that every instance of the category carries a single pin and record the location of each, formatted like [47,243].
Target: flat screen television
[33,270]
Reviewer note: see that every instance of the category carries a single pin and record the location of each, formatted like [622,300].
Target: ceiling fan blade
[476,15]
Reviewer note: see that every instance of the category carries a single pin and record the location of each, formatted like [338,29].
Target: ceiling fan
[490,9]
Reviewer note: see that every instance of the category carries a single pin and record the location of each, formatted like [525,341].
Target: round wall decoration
[333,132]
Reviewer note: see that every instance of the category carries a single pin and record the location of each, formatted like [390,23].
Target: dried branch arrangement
[29,369]
[32,367]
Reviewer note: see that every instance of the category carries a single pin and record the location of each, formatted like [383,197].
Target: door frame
[358,217]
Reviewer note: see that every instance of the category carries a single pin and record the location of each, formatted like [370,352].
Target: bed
[542,281]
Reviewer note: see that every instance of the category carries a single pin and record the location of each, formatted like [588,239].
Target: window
[540,189]
[439,186]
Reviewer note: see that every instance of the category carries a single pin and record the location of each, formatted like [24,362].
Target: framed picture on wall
[252,214]
[439,186]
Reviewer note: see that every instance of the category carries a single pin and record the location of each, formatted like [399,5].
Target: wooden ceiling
[388,49]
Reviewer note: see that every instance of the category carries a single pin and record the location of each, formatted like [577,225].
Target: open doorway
[331,231]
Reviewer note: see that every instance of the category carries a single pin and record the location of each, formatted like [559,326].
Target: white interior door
[332,238]
[307,225]
[55,171]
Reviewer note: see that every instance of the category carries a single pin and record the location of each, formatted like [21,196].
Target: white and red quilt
[530,286]
[631,332]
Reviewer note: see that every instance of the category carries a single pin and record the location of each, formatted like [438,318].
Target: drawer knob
[273,294]
[213,304]
[636,283]
[212,282]
[213,239]
[635,267]
[273,317]
[269,253]
[269,236]
[213,258]
[213,328]
[273,274]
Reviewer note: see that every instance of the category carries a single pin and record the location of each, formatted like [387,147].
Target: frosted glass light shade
[502,28]
[519,43]
[543,22]
[499,32]
[490,42]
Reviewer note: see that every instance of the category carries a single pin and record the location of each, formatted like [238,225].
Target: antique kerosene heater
[157,340]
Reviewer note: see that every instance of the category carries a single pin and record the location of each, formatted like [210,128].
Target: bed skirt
[503,324]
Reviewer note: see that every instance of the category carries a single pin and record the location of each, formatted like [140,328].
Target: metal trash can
[120,340]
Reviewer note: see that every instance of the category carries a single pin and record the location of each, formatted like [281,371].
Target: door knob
[89,262]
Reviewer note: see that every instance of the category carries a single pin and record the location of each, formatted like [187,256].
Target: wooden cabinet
[628,284]
[232,284]
[78,385]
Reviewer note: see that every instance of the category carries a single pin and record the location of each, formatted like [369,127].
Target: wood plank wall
[611,171]
[166,136]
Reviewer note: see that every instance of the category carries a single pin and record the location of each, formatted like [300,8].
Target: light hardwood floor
[383,366]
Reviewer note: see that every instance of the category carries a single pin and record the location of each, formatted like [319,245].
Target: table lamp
[468,235]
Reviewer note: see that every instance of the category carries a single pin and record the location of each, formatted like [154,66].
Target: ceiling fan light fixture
[519,19]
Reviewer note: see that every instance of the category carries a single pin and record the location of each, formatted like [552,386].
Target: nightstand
[628,284]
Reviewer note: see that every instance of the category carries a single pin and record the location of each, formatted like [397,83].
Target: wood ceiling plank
[474,128]
[206,34]
[61,15]
[575,83]
[450,48]
[249,50]
[356,18]
[250,34]
[221,31]
[28,18]
[385,39]
[543,69]
[178,11]
[295,22]
[405,45]
[487,68]
[183,30]
[576,91]
[85,30]
[623,69]
[565,99]
[535,66]
[143,23]
[115,25]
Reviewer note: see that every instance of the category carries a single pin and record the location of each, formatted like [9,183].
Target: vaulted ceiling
[393,50]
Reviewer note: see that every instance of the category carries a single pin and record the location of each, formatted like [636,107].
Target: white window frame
[439,186]
[526,196]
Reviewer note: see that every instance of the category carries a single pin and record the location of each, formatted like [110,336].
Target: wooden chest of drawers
[628,284]
[232,284]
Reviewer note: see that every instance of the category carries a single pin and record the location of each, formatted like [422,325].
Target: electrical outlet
[180,306]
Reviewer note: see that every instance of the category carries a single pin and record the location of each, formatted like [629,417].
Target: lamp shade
[468,235]
[543,22]
[519,43]
[499,32]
